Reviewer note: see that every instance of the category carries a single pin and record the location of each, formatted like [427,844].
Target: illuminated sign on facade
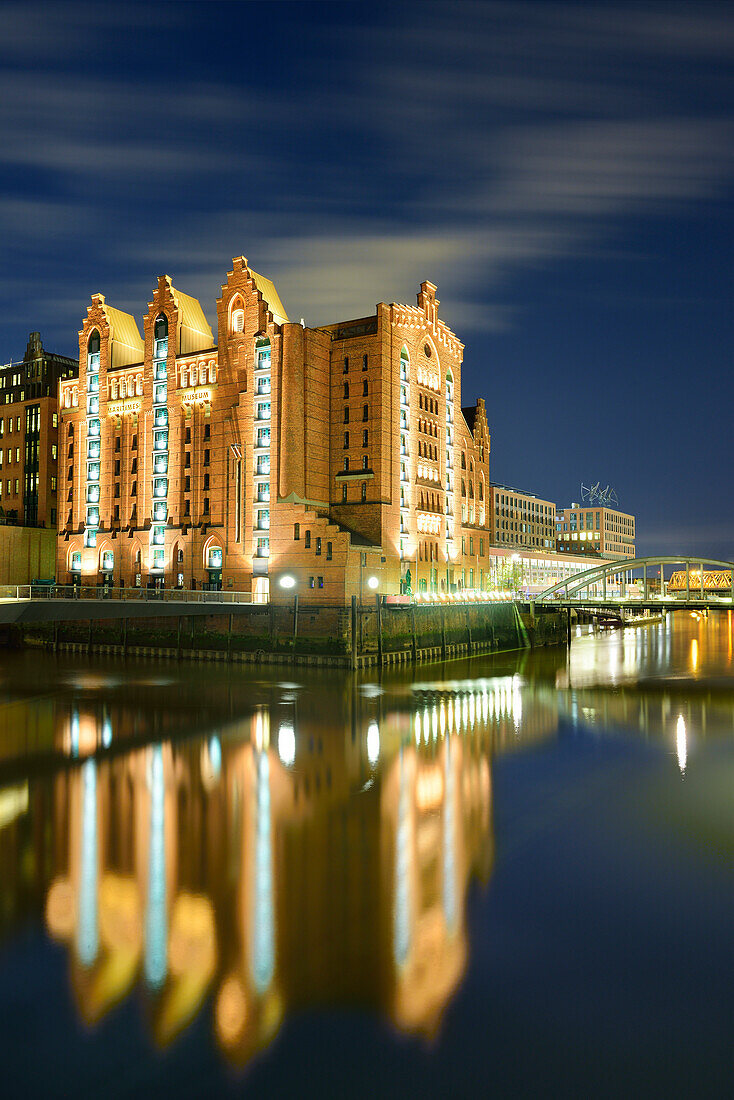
[197,395]
[126,407]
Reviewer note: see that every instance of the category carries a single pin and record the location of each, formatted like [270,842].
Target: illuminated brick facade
[329,455]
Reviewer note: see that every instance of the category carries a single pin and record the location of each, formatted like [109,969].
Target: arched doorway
[213,562]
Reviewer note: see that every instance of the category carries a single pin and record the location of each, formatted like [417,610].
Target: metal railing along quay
[92,592]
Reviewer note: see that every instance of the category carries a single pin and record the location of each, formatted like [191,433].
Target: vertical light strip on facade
[160,446]
[404,437]
[261,481]
[93,441]
[450,514]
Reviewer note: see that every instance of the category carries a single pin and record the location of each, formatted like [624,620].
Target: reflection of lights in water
[578,631]
[472,711]
[694,655]
[442,718]
[231,1009]
[215,756]
[451,715]
[485,706]
[106,732]
[74,733]
[263,938]
[373,743]
[681,743]
[449,840]
[516,704]
[287,744]
[417,728]
[401,915]
[87,941]
[156,931]
[426,726]
[434,722]
[465,712]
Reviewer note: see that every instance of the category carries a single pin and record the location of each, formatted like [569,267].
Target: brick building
[29,435]
[325,457]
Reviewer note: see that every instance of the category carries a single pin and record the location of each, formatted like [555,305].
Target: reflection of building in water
[282,865]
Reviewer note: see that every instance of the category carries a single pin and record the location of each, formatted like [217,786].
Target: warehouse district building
[326,457]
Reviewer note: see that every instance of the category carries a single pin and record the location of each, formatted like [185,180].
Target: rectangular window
[346,440]
[364,362]
[346,370]
[318,546]
[346,414]
[365,438]
[321,582]
[206,506]
[187,484]
[53,484]
[206,457]
[328,551]
[117,467]
[296,531]
[54,421]
[207,431]
[366,412]
[344,494]
[310,582]
[308,540]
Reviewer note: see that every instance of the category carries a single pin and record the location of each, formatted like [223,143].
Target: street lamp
[287,581]
[373,583]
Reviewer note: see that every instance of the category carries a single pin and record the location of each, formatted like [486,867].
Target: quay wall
[321,634]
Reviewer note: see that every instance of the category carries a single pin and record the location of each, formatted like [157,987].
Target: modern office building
[522,520]
[325,458]
[29,435]
[595,531]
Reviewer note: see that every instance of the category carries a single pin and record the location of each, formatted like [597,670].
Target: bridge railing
[92,592]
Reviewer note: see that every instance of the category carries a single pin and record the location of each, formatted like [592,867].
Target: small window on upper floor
[364,362]
[365,387]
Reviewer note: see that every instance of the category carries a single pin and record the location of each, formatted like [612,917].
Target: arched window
[212,373]
[139,386]
[160,329]
[93,344]
[238,320]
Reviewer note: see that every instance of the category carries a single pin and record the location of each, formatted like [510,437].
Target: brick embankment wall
[318,634]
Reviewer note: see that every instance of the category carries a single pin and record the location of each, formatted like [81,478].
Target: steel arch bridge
[702,576]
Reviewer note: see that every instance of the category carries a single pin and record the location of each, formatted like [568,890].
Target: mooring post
[295,619]
[413,640]
[568,626]
[379,628]
[354,631]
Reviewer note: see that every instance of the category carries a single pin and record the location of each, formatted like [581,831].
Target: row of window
[365,413]
[307,541]
[365,363]
[365,389]
[365,439]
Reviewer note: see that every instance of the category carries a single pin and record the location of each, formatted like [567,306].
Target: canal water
[507,876]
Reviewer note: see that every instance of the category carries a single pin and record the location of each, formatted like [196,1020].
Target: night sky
[563,173]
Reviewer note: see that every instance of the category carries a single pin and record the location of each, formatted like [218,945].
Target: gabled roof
[271,296]
[127,343]
[470,415]
[195,331]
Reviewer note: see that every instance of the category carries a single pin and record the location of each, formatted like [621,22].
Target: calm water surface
[508,876]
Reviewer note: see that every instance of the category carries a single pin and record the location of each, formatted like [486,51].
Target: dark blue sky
[563,172]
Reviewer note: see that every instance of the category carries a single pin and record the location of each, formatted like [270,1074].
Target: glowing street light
[287,581]
[373,583]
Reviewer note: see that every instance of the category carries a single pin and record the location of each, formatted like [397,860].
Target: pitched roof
[127,343]
[470,415]
[196,333]
[271,296]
